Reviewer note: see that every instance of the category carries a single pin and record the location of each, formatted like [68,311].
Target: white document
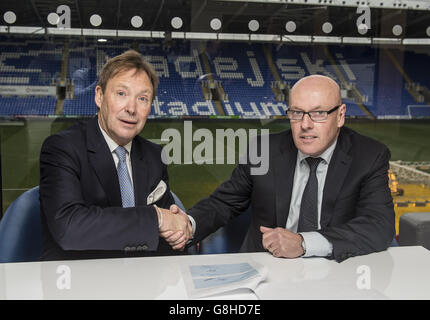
[210,279]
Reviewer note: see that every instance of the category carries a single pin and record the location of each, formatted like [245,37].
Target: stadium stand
[419,84]
[245,73]
[246,78]
[28,64]
[82,70]
[28,106]
[180,70]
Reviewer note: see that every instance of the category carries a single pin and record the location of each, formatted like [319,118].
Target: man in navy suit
[326,191]
[102,187]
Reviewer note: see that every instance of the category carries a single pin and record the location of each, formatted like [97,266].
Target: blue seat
[394,243]
[229,238]
[21,230]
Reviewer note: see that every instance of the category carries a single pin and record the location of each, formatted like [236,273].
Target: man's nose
[130,107]
[307,122]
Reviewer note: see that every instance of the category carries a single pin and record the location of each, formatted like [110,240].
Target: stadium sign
[28,90]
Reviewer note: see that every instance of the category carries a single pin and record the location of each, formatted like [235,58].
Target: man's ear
[98,98]
[341,116]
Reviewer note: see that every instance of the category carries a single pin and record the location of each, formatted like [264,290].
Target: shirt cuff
[193,224]
[316,244]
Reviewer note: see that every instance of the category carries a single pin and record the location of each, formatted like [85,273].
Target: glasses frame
[309,113]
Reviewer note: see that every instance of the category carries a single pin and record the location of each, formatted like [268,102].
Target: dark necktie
[127,193]
[308,219]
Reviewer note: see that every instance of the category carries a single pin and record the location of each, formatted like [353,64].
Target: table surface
[398,273]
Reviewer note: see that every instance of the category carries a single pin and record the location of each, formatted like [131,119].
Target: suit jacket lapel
[140,172]
[285,164]
[337,171]
[102,162]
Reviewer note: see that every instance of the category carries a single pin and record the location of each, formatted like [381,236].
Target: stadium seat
[21,231]
[229,238]
[178,201]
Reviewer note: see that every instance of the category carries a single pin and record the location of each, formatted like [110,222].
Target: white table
[398,273]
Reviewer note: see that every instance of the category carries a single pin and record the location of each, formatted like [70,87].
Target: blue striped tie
[127,193]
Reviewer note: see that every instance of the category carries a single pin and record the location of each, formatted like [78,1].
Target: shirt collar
[112,144]
[326,155]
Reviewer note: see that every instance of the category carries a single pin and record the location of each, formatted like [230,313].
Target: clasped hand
[176,228]
[281,242]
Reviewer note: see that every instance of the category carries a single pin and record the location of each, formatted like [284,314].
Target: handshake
[174,226]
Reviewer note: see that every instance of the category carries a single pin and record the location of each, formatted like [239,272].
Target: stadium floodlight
[322,39]
[177,23]
[53,18]
[136,21]
[216,24]
[356,40]
[96,20]
[9,17]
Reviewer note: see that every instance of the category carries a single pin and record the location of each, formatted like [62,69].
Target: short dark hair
[128,60]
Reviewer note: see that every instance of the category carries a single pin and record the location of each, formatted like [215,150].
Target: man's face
[313,138]
[125,105]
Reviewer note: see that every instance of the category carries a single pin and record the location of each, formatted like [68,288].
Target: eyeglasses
[316,116]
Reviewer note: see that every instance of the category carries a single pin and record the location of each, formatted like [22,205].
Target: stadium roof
[282,18]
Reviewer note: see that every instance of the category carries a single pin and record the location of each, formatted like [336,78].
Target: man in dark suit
[102,187]
[326,190]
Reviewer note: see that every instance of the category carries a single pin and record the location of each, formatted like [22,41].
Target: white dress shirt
[316,244]
[112,146]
